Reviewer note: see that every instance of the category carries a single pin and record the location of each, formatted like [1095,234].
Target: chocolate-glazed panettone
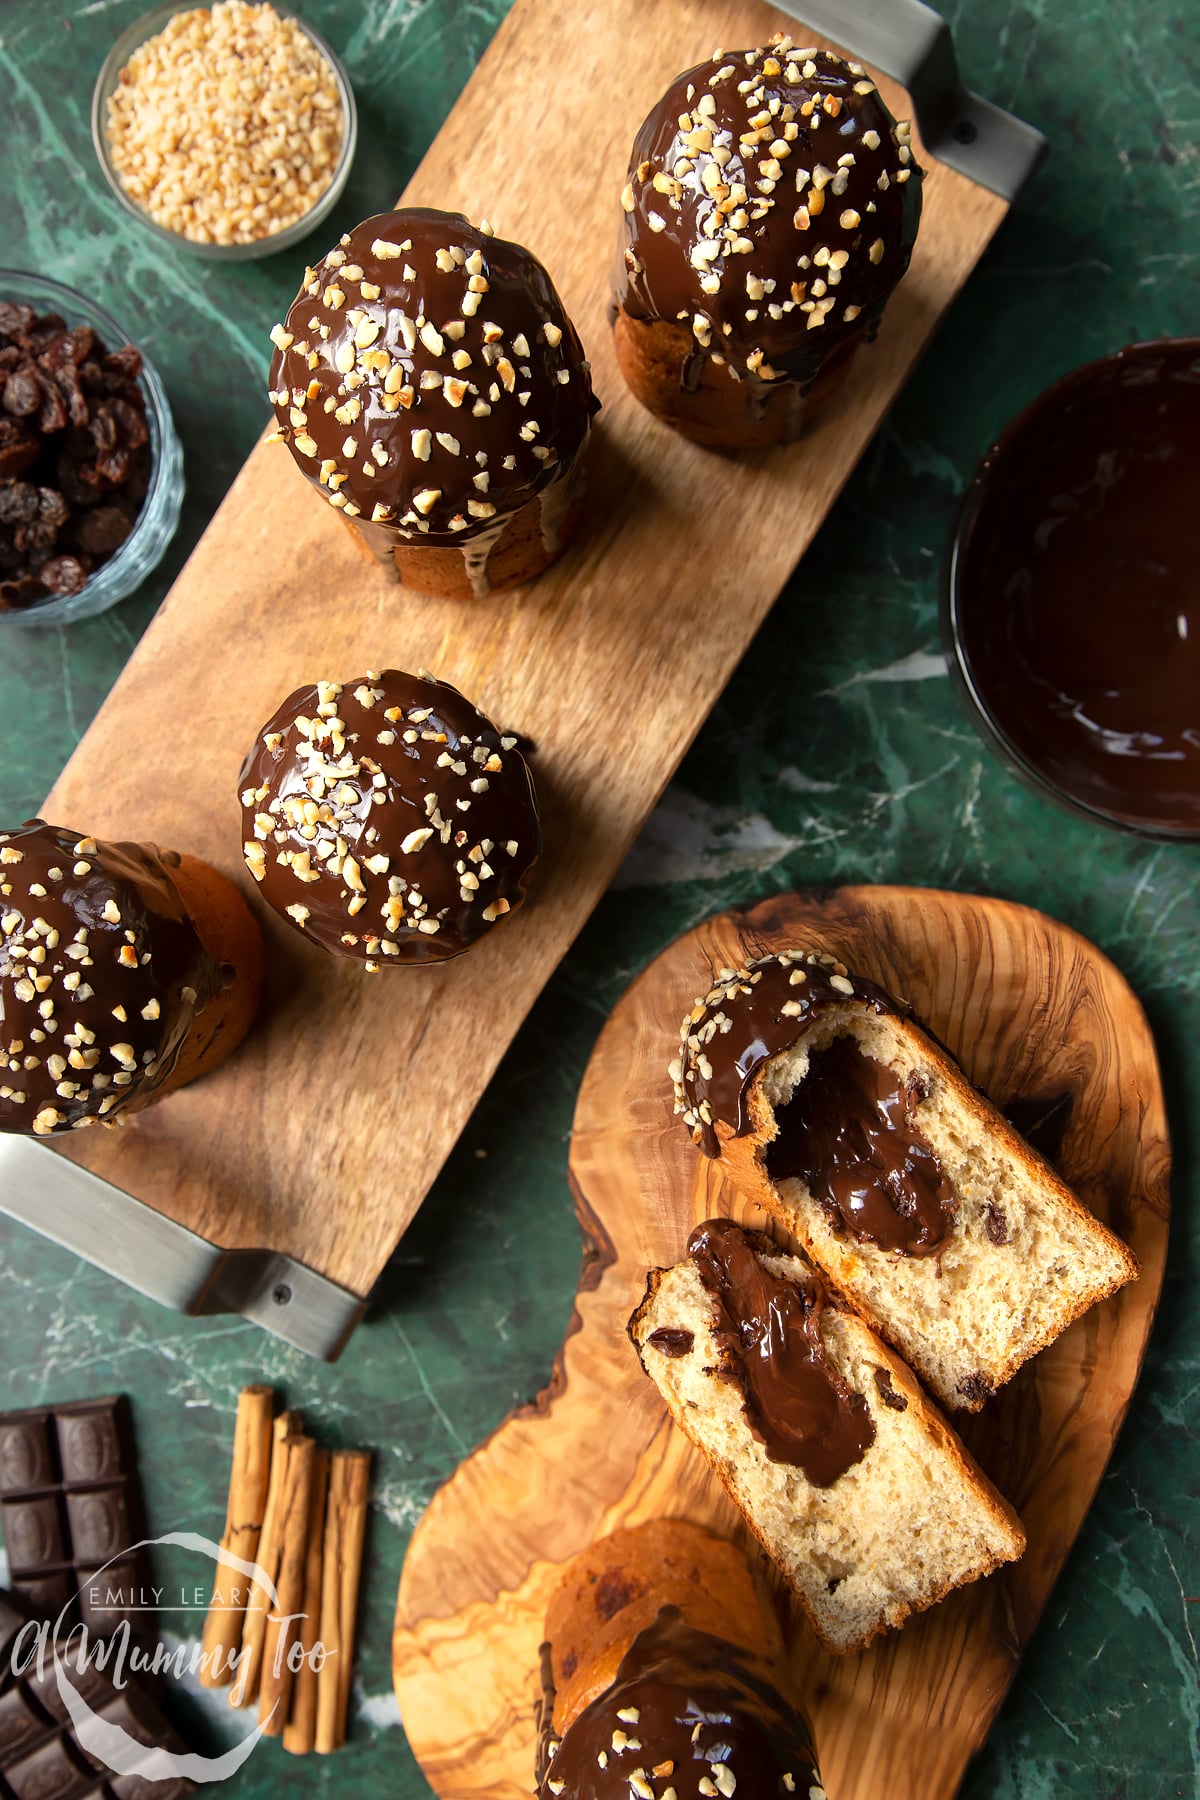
[388,820]
[125,971]
[429,383]
[770,211]
[846,1120]
[662,1676]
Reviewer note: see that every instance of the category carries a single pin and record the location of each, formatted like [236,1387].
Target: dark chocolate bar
[40,1756]
[71,1512]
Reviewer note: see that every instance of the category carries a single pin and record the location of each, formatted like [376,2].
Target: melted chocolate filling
[769,1331]
[1076,587]
[849,1134]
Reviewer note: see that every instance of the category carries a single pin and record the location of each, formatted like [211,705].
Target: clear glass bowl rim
[147,543]
[954,649]
[130,40]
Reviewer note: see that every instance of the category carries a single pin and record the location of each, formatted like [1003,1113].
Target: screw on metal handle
[910,42]
[167,1262]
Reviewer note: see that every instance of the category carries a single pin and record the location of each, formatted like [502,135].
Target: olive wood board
[1040,1020]
[322,1136]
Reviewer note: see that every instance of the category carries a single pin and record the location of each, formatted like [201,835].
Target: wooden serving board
[322,1136]
[1034,1013]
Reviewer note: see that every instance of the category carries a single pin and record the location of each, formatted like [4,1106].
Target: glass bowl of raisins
[91,469]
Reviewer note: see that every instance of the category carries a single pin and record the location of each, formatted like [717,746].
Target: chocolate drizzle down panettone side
[428,380]
[772,205]
[101,976]
[387,819]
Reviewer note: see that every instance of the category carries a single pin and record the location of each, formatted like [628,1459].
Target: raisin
[113,465]
[52,508]
[887,1391]
[16,319]
[78,480]
[44,331]
[103,426]
[22,395]
[18,502]
[125,362]
[64,575]
[37,535]
[78,406]
[53,415]
[102,530]
[614,1591]
[130,423]
[22,591]
[18,449]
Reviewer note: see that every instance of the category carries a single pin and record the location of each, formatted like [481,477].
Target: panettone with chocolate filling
[125,971]
[387,820]
[853,1483]
[770,212]
[924,1207]
[429,383]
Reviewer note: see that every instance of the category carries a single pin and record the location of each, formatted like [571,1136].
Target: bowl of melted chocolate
[1073,598]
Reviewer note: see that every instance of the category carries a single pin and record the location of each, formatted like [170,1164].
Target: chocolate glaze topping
[687,1713]
[799,1409]
[1077,592]
[428,379]
[387,819]
[849,1134]
[101,975]
[772,206]
[748,1015]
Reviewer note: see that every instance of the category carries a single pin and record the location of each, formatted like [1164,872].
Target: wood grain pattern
[337,1114]
[1033,1012]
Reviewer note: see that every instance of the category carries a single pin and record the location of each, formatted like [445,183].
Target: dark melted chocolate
[801,1412]
[747,1016]
[849,1134]
[1077,587]
[686,1699]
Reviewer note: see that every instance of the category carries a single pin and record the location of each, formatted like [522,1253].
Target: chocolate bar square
[34,1533]
[22,1721]
[99,1524]
[91,1445]
[53,1771]
[27,1458]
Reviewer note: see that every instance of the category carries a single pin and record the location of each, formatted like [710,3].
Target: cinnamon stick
[345,1526]
[299,1734]
[248,1483]
[245,1688]
[282,1626]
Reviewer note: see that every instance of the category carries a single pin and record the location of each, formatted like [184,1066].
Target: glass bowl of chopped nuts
[91,469]
[227,130]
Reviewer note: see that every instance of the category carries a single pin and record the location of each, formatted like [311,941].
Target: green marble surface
[838,753]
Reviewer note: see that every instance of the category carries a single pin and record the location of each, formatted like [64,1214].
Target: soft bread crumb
[894,1533]
[968,1317]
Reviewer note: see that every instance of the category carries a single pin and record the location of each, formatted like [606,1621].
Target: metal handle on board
[910,42]
[166,1261]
